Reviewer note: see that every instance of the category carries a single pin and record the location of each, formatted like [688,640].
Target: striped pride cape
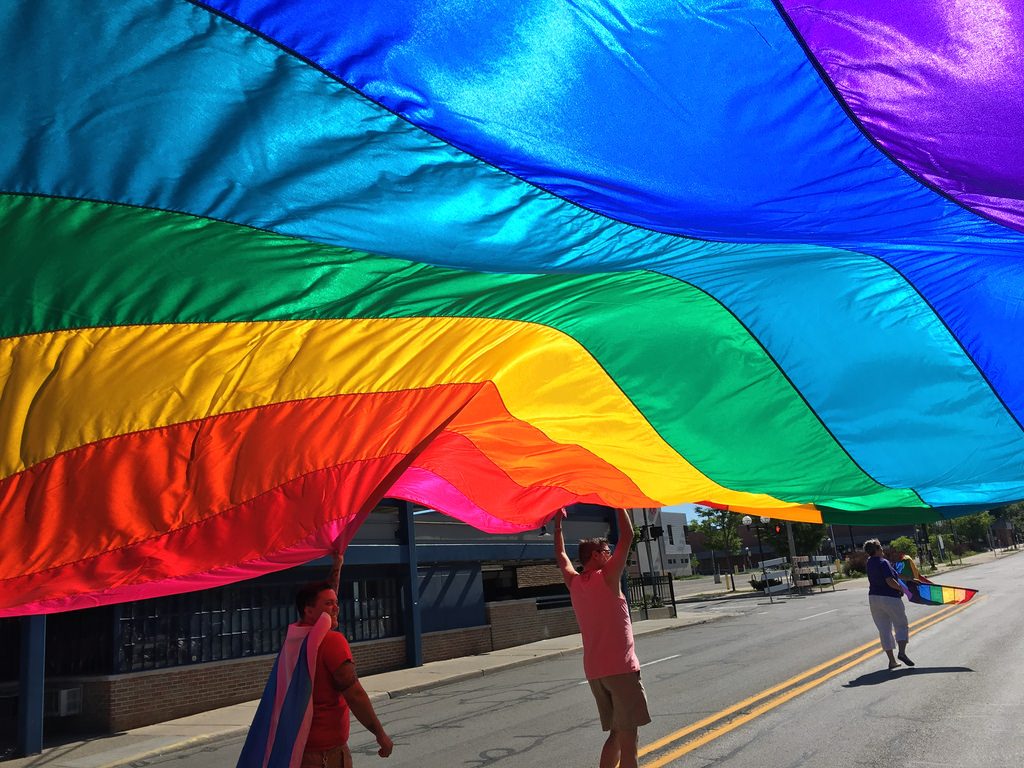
[277,736]
[266,262]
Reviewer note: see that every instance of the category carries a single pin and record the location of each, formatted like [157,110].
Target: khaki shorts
[338,757]
[621,702]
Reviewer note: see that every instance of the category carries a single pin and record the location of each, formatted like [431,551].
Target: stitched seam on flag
[448,143]
[213,11]
[827,80]
[837,94]
[439,316]
[336,78]
[567,335]
[574,342]
[222,512]
[800,394]
[275,489]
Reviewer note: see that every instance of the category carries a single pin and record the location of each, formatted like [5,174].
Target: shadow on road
[885,675]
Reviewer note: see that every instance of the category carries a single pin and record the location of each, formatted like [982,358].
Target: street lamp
[747,521]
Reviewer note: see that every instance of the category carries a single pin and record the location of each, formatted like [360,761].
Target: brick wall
[543,575]
[114,703]
[453,643]
[375,656]
[517,622]
[120,702]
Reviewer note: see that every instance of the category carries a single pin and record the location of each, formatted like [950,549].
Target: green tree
[906,545]
[971,531]
[1014,513]
[720,529]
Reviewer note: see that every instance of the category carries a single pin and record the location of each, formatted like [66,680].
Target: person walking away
[885,599]
[609,658]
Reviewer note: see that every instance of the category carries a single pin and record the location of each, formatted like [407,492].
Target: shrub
[904,545]
[761,583]
[856,562]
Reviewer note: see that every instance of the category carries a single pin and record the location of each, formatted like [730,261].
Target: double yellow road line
[733,717]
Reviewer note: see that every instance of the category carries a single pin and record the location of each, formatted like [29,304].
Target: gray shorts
[621,701]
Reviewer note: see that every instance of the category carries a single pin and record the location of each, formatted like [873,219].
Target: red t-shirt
[330,724]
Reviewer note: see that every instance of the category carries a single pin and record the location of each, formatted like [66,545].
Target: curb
[193,741]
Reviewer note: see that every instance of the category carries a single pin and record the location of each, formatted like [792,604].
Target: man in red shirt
[609,657]
[336,687]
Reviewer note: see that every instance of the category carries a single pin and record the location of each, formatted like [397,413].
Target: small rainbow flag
[939,594]
[924,592]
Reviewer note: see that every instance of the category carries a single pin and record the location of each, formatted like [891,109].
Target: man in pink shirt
[609,658]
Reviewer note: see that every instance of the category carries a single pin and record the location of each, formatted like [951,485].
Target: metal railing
[242,620]
[650,591]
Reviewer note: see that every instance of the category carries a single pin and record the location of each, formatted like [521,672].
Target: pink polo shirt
[603,616]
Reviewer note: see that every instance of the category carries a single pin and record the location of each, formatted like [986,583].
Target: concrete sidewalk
[123,748]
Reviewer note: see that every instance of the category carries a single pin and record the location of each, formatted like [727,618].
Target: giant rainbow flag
[266,262]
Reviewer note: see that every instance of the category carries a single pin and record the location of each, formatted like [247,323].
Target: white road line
[658,661]
[815,615]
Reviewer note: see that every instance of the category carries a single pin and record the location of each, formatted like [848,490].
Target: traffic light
[778,528]
[657,531]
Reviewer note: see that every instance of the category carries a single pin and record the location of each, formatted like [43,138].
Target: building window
[240,620]
[671,540]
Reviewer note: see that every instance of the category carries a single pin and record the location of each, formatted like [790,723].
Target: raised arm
[335,577]
[617,562]
[562,559]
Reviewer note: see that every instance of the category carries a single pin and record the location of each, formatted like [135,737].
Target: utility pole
[928,545]
[650,557]
[791,541]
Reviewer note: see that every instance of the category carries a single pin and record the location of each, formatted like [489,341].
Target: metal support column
[650,565]
[413,624]
[31,679]
[764,573]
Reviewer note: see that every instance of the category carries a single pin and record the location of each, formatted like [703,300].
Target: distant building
[661,548]
[678,553]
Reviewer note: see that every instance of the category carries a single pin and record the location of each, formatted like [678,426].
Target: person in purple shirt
[885,598]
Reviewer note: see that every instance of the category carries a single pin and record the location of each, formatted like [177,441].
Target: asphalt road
[768,685]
